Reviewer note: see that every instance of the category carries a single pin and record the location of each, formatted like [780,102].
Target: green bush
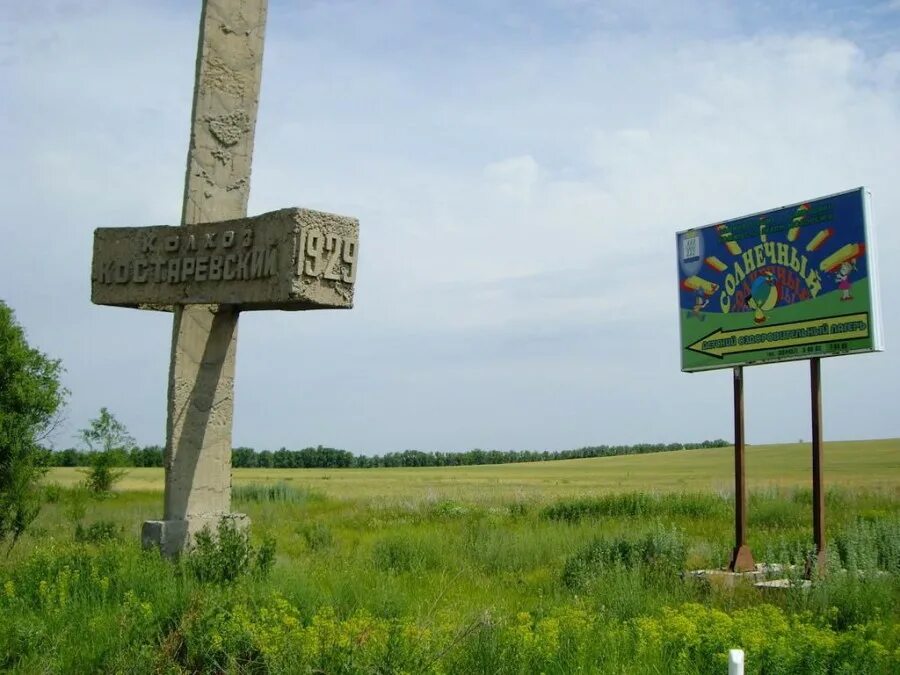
[55,576]
[227,554]
[870,545]
[405,587]
[662,550]
[695,639]
[30,397]
[102,475]
[109,443]
[848,598]
[793,548]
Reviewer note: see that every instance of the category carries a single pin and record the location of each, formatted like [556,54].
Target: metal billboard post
[815,386]
[798,282]
[742,558]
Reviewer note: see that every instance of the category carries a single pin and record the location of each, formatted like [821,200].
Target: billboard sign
[796,282]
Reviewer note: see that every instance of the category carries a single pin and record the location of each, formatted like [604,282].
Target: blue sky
[519,171]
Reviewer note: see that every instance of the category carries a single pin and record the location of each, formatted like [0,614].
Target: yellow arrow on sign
[721,343]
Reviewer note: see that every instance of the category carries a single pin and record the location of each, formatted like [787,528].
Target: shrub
[30,398]
[101,477]
[870,545]
[228,554]
[695,639]
[56,574]
[109,443]
[660,550]
[788,549]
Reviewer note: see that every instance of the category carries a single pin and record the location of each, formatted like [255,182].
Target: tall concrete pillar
[204,337]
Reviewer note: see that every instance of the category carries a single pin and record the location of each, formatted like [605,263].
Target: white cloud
[889,6]
[514,177]
[519,174]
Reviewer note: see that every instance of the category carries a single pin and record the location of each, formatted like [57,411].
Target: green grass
[872,464]
[554,567]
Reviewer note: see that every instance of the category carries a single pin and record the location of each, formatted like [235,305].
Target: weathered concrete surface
[172,537]
[783,584]
[723,578]
[292,259]
[204,339]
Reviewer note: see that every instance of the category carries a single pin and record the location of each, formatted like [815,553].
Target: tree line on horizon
[321,457]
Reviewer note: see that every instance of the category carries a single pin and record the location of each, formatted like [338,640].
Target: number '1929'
[328,256]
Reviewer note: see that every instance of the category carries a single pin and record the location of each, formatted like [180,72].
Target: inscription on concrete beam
[291,259]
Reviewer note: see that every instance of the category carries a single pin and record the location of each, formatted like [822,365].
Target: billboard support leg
[742,558]
[815,387]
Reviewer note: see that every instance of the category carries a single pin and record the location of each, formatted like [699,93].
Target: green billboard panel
[793,283]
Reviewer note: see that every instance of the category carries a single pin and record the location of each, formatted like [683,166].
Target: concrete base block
[783,584]
[169,536]
[729,579]
[173,537]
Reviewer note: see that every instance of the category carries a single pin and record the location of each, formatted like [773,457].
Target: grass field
[558,567]
[872,464]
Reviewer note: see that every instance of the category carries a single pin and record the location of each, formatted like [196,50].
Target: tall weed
[636,504]
[399,554]
[870,545]
[228,554]
[661,550]
[276,493]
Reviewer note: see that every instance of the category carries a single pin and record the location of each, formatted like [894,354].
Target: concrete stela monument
[215,265]
[289,259]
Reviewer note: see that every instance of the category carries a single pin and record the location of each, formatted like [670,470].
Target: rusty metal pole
[815,387]
[742,558]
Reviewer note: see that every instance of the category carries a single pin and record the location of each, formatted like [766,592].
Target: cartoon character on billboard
[701,300]
[841,263]
[763,295]
[843,279]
